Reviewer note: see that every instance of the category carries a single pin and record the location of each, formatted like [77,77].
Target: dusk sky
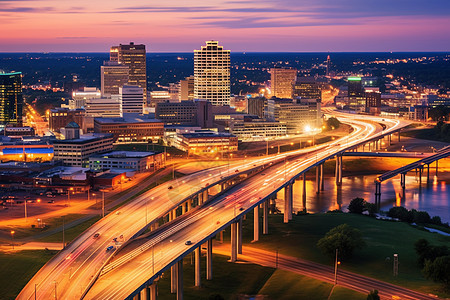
[263,25]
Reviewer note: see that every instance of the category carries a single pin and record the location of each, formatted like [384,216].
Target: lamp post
[336,263]
[12,238]
[103,204]
[68,196]
[26,211]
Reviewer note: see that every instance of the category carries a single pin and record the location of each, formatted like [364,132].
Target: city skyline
[280,26]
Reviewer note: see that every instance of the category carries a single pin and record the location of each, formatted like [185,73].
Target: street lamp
[12,238]
[68,195]
[336,263]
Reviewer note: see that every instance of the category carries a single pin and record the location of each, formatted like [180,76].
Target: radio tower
[328,64]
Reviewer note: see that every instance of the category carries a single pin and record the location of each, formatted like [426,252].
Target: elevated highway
[145,259]
[75,269]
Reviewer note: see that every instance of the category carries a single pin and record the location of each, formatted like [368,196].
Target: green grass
[299,237]
[23,232]
[284,285]
[425,134]
[18,268]
[70,233]
[229,280]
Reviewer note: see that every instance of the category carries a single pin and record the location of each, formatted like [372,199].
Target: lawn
[71,233]
[18,268]
[231,280]
[285,285]
[299,237]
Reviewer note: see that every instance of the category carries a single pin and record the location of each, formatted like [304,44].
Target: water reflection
[433,197]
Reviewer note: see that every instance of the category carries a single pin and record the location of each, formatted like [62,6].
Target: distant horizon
[237,52]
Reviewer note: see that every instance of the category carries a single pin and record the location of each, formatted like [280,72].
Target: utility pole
[26,210]
[64,242]
[103,204]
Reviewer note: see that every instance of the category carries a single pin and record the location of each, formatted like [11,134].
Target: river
[433,198]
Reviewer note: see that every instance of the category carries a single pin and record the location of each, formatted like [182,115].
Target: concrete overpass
[281,175]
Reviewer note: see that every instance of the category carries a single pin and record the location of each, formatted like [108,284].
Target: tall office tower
[356,96]
[307,88]
[113,76]
[132,56]
[187,88]
[282,82]
[11,99]
[212,74]
[131,99]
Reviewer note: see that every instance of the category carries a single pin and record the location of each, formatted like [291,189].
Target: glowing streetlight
[12,238]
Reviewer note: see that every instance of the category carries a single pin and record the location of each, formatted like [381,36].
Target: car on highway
[118,213]
[170,187]
[96,235]
[188,243]
[109,248]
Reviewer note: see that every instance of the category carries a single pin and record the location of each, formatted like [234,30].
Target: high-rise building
[133,56]
[212,74]
[356,95]
[11,99]
[328,65]
[187,88]
[307,88]
[113,76]
[282,82]
[257,106]
[131,99]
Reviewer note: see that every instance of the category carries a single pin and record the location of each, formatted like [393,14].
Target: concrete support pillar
[336,171]
[153,291]
[428,173]
[233,242]
[205,196]
[145,294]
[209,259]
[174,214]
[256,224]
[197,266]
[304,191]
[189,204]
[173,279]
[317,179]
[266,217]
[377,193]
[287,202]
[183,208]
[179,267]
[170,216]
[200,198]
[239,236]
[420,175]
[137,297]
[322,185]
[437,167]
[403,183]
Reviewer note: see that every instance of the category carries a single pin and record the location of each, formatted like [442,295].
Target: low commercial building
[206,142]
[75,152]
[25,149]
[257,130]
[297,114]
[137,161]
[131,128]
[59,117]
[186,113]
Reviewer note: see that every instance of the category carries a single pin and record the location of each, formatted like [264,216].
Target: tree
[438,270]
[371,208]
[427,252]
[373,295]
[398,212]
[333,123]
[344,238]
[357,206]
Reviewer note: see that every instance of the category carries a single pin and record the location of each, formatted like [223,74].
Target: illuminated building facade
[282,82]
[113,77]
[307,88]
[187,88]
[11,99]
[131,99]
[212,74]
[133,56]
